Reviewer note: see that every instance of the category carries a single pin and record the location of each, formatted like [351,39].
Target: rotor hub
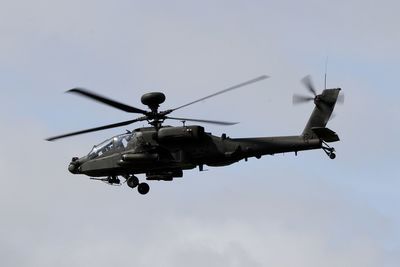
[317,99]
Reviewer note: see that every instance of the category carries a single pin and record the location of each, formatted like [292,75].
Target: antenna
[326,70]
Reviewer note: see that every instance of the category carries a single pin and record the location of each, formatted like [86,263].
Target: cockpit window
[118,142]
[139,142]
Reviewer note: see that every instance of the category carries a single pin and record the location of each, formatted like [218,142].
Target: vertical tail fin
[324,105]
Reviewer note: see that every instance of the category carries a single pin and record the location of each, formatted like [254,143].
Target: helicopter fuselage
[164,153]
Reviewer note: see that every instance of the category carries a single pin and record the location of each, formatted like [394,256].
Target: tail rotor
[309,85]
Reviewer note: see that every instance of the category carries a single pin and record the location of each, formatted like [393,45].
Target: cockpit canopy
[114,144]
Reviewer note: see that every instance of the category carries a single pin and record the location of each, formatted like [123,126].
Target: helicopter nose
[74,165]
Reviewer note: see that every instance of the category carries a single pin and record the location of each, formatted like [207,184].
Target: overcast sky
[280,210]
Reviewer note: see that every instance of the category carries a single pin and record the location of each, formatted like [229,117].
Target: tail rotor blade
[333,116]
[300,99]
[340,99]
[309,84]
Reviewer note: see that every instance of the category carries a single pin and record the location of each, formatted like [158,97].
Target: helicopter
[162,153]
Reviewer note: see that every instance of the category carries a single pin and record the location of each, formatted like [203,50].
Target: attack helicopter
[162,153]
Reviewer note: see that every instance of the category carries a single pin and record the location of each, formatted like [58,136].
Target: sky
[279,210]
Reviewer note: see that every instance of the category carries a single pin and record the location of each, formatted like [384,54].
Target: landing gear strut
[330,151]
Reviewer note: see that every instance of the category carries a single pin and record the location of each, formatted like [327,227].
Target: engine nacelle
[180,134]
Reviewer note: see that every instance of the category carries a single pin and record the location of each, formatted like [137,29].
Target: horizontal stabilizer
[325,134]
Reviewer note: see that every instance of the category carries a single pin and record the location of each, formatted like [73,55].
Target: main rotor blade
[225,90]
[119,124]
[105,100]
[204,121]
[299,99]
[309,84]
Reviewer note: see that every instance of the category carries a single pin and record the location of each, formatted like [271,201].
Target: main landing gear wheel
[132,181]
[143,188]
[332,155]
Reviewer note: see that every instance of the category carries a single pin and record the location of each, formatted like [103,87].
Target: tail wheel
[330,151]
[143,188]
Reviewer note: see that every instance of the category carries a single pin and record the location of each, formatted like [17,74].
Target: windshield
[118,142]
